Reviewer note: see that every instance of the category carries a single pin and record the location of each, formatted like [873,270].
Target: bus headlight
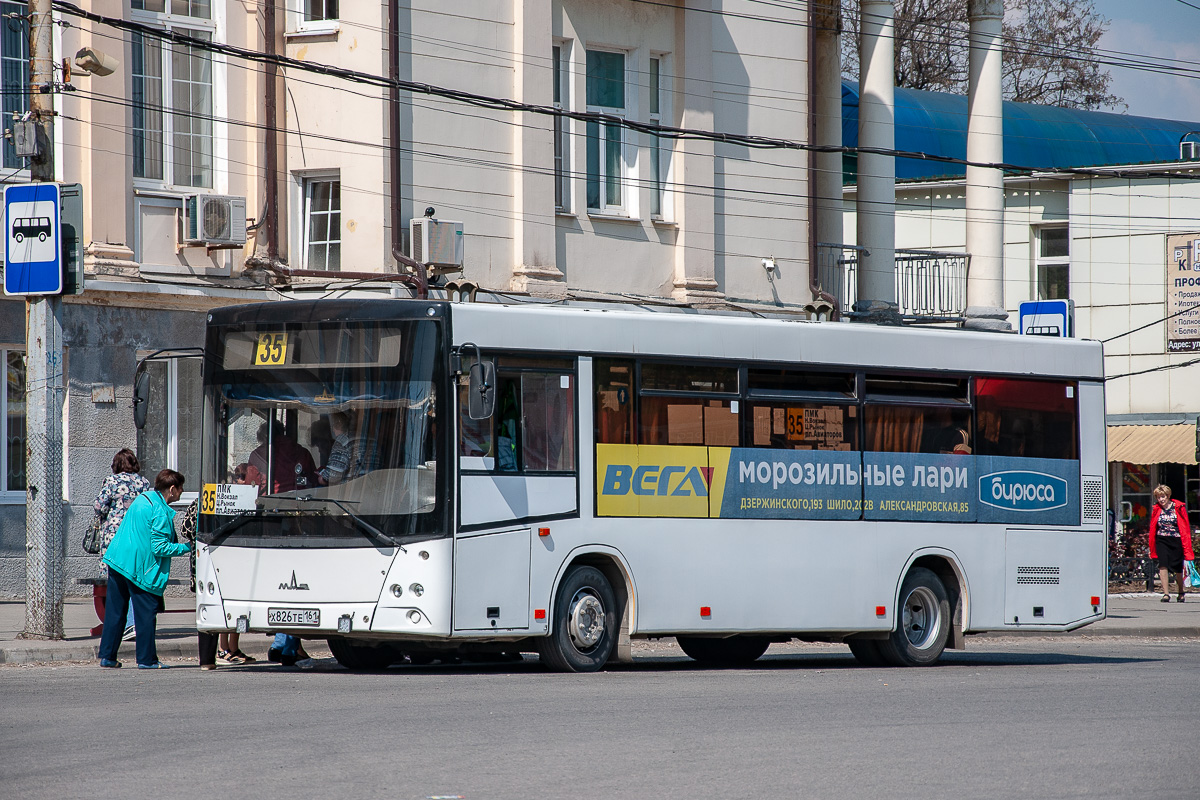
[417,589]
[396,590]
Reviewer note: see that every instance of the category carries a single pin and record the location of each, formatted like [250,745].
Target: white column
[534,270]
[985,185]
[876,211]
[827,109]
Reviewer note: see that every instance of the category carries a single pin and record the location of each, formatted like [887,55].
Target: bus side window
[804,426]
[614,401]
[475,436]
[677,406]
[1025,418]
[917,414]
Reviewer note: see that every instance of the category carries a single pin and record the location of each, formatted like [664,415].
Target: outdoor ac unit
[214,219]
[438,243]
[1189,151]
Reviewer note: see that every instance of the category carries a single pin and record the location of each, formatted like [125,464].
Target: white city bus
[427,479]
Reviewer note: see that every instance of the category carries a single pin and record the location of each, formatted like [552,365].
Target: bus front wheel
[731,652]
[924,622]
[358,657]
[584,629]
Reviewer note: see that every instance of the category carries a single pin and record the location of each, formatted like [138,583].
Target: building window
[606,165]
[14,73]
[173,96]
[322,223]
[657,165]
[171,436]
[313,16]
[561,127]
[1053,263]
[320,10]
[12,423]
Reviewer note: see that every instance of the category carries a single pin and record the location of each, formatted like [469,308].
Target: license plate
[294,616]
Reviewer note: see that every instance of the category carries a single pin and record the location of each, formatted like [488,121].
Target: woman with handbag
[116,494]
[1170,539]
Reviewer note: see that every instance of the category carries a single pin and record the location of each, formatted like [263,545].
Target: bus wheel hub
[586,621]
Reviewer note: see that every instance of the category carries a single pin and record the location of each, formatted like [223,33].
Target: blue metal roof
[1035,137]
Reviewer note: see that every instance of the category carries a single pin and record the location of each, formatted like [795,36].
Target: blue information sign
[32,240]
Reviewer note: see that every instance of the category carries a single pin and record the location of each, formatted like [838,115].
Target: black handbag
[91,537]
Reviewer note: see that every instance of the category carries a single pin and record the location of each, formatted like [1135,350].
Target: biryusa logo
[1022,490]
[303,587]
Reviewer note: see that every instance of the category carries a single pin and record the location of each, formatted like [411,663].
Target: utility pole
[45,546]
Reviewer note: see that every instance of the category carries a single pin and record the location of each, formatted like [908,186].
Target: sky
[1162,29]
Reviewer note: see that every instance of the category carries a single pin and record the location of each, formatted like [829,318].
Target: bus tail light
[705,611]
[539,613]
[881,611]
[543,531]
[1095,600]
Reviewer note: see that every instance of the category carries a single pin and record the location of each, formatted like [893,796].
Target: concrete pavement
[1129,615]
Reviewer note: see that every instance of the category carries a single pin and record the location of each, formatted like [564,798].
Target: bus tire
[731,652]
[359,657]
[866,652]
[923,624]
[583,632]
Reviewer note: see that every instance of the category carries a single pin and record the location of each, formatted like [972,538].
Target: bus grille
[1093,500]
[1045,576]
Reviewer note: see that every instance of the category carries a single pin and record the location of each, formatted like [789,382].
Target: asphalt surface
[1062,717]
[1139,615]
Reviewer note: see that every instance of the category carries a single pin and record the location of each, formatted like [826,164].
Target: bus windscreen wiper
[367,528]
[226,530]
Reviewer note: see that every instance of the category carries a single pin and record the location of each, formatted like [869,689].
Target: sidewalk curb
[168,647]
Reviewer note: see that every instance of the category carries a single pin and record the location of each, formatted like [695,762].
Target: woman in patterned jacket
[113,500]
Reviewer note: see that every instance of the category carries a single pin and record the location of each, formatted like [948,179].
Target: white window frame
[561,70]
[172,415]
[214,26]
[628,205]
[297,25]
[8,497]
[658,146]
[1040,261]
[300,182]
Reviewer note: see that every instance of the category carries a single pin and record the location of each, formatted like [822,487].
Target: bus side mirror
[141,398]
[481,391]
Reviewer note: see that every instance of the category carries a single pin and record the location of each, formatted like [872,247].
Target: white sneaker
[129,635]
[306,663]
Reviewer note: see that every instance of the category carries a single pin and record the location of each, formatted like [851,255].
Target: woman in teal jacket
[139,564]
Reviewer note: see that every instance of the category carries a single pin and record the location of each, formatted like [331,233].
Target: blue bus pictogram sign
[32,240]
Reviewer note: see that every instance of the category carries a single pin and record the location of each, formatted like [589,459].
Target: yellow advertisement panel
[652,480]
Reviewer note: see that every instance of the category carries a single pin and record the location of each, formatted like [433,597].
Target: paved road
[1011,718]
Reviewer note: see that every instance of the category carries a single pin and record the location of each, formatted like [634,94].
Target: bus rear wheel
[583,631]
[923,626]
[358,657]
[734,651]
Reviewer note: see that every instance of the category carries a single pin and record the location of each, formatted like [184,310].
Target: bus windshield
[323,431]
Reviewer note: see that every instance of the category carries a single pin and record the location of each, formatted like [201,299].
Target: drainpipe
[876,197]
[271,160]
[985,185]
[824,128]
[418,281]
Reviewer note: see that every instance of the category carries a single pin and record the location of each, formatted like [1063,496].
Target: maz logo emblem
[303,587]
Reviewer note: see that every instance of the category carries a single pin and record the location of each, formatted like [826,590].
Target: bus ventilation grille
[1093,500]
[1045,576]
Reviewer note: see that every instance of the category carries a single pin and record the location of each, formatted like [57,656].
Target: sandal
[1166,598]
[245,658]
[228,659]
[1180,598]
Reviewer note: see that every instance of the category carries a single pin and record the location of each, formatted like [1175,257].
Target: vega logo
[1020,490]
[663,481]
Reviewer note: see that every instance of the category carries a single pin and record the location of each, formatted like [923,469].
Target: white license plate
[294,616]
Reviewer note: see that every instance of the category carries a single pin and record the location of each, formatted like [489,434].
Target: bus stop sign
[32,246]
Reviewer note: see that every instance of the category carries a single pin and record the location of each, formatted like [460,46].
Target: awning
[1152,444]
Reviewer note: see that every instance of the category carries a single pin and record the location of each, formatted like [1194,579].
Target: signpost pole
[45,555]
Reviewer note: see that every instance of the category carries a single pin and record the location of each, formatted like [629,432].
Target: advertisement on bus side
[761,483]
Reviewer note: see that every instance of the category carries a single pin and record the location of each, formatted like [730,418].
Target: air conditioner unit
[1189,151]
[438,243]
[214,219]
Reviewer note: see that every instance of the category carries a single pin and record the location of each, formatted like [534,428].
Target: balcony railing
[930,284]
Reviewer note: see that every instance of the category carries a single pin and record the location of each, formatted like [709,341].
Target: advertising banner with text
[1183,293]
